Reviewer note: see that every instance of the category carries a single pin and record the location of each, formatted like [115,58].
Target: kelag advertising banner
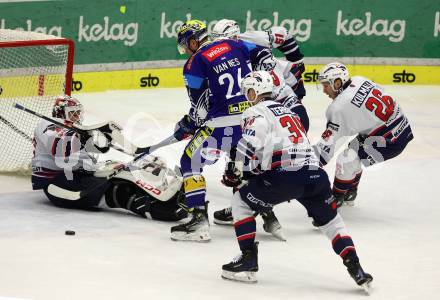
[107,31]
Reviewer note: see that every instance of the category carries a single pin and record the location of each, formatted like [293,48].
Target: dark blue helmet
[193,29]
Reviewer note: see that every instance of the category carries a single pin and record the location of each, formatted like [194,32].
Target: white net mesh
[33,76]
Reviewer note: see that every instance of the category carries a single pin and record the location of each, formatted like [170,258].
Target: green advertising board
[107,31]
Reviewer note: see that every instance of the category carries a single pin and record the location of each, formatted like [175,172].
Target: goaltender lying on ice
[65,167]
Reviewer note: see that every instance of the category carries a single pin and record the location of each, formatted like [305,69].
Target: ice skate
[272,225]
[244,267]
[357,273]
[347,198]
[224,216]
[196,230]
[350,196]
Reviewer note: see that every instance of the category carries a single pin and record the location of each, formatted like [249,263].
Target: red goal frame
[53,42]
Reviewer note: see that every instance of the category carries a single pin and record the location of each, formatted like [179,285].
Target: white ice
[395,224]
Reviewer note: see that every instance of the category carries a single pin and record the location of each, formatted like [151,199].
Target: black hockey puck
[70,232]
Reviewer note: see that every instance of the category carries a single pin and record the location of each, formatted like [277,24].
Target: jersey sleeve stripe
[193,82]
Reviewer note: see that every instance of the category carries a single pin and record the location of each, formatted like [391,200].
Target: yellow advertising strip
[172,77]
[127,80]
[406,75]
[30,86]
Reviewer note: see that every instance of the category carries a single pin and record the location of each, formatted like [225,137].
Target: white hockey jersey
[280,69]
[57,148]
[276,37]
[364,108]
[272,137]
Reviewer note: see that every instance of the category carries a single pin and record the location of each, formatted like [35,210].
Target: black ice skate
[272,225]
[224,216]
[346,199]
[350,196]
[357,273]
[197,229]
[243,267]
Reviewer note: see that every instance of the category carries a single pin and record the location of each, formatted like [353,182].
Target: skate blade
[367,287]
[219,222]
[279,235]
[200,237]
[349,203]
[245,277]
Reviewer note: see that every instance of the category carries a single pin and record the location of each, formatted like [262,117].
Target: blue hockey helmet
[192,29]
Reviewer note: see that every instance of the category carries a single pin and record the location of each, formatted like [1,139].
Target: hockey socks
[195,190]
[337,233]
[245,232]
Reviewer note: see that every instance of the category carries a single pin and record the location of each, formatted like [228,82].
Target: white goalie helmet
[259,81]
[225,29]
[68,108]
[333,71]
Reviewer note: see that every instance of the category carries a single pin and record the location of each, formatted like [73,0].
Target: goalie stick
[16,129]
[147,150]
[83,130]
[143,152]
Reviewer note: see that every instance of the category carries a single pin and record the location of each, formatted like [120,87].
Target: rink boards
[172,77]
[148,78]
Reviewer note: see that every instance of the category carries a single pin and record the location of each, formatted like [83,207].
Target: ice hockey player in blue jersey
[276,37]
[212,76]
[275,162]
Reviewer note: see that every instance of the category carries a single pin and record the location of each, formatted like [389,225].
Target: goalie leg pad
[84,191]
[126,195]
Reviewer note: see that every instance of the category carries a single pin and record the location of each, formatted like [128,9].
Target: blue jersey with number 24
[212,78]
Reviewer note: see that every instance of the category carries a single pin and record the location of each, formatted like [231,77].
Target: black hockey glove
[84,136]
[184,128]
[232,176]
[95,142]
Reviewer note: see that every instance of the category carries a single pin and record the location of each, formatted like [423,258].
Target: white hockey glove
[113,133]
[277,36]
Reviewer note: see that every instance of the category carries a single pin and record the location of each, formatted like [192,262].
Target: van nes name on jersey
[226,65]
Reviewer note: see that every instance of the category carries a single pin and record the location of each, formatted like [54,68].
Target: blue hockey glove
[184,128]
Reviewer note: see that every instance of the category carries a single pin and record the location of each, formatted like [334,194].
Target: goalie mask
[68,108]
[225,29]
[193,29]
[333,71]
[255,84]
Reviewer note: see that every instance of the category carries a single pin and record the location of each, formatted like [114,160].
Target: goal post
[34,69]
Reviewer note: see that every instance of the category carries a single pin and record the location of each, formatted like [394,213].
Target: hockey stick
[74,128]
[16,129]
[76,195]
[147,150]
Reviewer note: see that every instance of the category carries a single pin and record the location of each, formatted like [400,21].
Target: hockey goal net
[34,69]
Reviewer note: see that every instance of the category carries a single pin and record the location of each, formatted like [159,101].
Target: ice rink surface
[114,255]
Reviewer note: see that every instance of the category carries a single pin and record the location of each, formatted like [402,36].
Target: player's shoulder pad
[250,46]
[337,108]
